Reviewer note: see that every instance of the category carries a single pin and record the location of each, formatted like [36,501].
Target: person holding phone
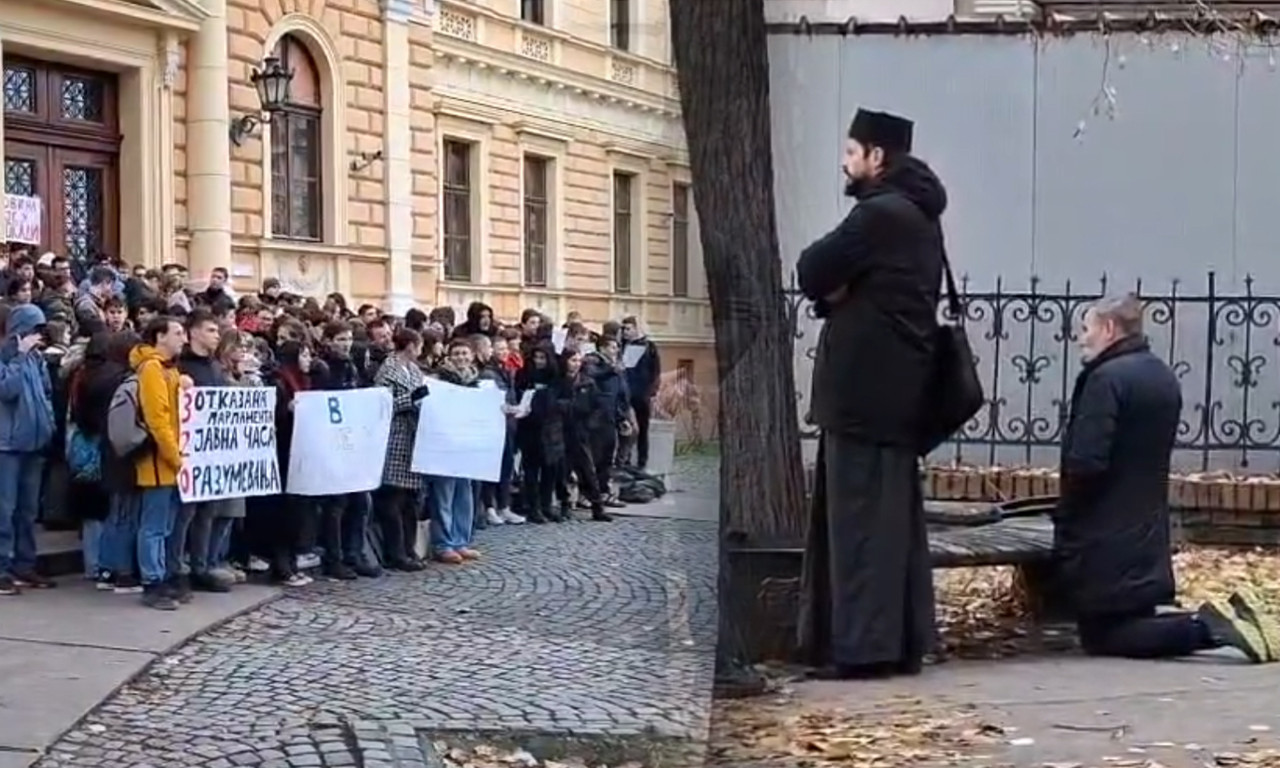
[26,429]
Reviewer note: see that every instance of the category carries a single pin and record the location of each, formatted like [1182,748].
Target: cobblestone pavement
[582,629]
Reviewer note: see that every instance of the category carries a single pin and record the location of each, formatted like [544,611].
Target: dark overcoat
[1111,527]
[884,263]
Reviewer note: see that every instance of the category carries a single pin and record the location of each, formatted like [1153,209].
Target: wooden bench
[1017,533]
[766,582]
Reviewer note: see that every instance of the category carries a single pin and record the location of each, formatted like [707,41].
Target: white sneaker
[307,561]
[258,565]
[297,580]
[493,517]
[511,518]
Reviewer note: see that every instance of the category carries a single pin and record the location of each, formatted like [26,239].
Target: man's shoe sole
[1251,608]
[1227,627]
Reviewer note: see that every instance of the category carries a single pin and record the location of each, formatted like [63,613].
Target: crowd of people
[89,345]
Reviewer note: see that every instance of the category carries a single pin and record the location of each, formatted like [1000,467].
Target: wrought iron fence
[1224,346]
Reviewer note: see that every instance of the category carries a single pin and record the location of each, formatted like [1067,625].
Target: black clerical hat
[881,129]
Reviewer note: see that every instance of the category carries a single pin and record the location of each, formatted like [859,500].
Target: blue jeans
[158,509]
[91,533]
[119,547]
[20,480]
[177,561]
[452,514]
[220,542]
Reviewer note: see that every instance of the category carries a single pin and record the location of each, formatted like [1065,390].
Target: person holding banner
[290,521]
[396,504]
[344,519]
[200,527]
[453,503]
[496,497]
[540,435]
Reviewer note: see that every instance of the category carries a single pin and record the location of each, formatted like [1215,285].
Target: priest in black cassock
[868,608]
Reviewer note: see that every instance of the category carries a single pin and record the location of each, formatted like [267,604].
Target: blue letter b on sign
[335,411]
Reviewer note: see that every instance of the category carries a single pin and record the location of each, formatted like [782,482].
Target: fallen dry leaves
[982,611]
[489,756]
[900,734]
[908,733]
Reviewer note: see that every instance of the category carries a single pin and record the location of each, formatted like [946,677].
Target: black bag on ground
[637,487]
[954,393]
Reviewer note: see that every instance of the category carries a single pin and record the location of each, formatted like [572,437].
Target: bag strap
[954,307]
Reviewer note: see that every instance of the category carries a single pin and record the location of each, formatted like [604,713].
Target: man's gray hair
[1124,310]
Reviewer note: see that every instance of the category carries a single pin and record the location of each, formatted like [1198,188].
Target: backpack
[638,487]
[84,455]
[126,430]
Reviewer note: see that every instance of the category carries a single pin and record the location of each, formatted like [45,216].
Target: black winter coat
[1111,531]
[541,433]
[875,278]
[336,373]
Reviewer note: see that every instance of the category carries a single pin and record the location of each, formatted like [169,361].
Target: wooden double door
[62,146]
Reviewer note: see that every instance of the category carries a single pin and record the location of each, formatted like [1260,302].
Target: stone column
[396,149]
[209,145]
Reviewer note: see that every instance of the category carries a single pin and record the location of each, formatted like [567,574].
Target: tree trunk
[721,56]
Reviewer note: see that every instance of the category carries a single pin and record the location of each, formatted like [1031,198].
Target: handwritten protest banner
[22,215]
[461,432]
[339,441]
[227,438]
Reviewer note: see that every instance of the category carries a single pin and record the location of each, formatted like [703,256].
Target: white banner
[22,215]
[461,432]
[227,438]
[339,441]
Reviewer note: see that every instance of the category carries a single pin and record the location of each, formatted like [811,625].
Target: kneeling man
[1112,521]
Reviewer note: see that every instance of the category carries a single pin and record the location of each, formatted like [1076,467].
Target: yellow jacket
[158,466]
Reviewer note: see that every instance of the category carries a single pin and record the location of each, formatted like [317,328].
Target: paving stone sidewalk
[576,629]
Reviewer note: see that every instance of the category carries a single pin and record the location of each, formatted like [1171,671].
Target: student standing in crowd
[159,459]
[26,428]
[644,370]
[397,502]
[290,524]
[193,531]
[118,397]
[453,503]
[344,518]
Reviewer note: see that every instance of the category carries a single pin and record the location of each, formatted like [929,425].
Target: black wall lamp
[271,81]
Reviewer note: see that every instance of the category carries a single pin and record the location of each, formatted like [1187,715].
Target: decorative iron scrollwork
[1223,346]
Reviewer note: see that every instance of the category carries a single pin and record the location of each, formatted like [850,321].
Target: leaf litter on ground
[983,612]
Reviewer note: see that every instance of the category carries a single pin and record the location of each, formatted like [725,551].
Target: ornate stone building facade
[518,152]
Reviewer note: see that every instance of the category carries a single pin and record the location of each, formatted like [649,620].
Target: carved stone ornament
[171,60]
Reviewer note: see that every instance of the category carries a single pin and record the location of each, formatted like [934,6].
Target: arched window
[296,150]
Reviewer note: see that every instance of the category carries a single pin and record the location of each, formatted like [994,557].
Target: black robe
[867,588]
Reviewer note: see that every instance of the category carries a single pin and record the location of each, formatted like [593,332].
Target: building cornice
[476,56]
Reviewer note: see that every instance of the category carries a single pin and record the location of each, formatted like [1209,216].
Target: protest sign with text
[461,432]
[22,216]
[339,441]
[227,438]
